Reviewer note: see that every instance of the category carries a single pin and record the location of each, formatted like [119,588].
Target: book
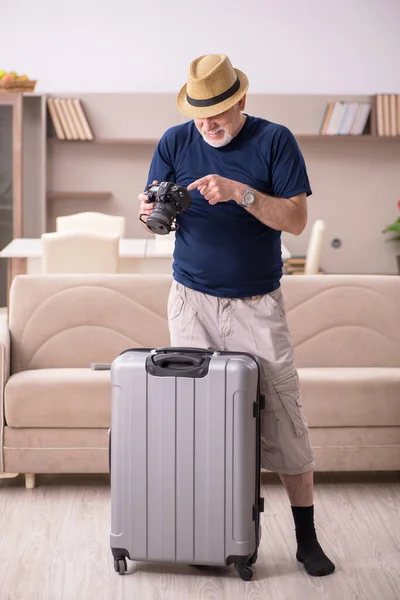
[69,119]
[326,119]
[398,114]
[393,114]
[82,118]
[361,118]
[336,116]
[345,118]
[58,128]
[60,111]
[76,120]
[385,116]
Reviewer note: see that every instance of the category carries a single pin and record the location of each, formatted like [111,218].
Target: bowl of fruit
[10,81]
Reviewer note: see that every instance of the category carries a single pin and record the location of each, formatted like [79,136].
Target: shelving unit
[145,142]
[365,137]
[105,141]
[79,195]
[108,172]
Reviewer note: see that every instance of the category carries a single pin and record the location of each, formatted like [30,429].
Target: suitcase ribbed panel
[183,462]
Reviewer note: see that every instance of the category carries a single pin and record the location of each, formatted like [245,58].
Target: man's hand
[145,208]
[216,189]
[282,214]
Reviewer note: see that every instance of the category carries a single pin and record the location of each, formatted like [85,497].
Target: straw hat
[213,86]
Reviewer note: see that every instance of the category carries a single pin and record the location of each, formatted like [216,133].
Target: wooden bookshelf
[79,195]
[350,180]
[106,141]
[153,141]
[364,137]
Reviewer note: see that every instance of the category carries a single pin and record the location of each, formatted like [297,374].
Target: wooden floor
[55,546]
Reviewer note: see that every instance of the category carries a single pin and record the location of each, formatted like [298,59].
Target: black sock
[309,552]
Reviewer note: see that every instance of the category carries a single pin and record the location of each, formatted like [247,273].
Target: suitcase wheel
[244,572]
[120,566]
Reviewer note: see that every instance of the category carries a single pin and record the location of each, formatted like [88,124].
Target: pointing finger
[198,183]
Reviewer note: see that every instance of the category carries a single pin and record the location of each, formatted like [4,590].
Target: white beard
[218,143]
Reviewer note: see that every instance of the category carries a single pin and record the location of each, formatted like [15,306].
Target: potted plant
[395,228]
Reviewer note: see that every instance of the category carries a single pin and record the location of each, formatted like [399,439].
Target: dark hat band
[216,99]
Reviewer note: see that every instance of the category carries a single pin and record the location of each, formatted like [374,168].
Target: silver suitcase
[185,458]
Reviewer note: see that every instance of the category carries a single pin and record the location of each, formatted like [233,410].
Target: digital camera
[170,199]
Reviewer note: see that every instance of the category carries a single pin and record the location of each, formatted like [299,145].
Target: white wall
[285,46]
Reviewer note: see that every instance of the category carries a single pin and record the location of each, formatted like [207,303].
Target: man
[248,182]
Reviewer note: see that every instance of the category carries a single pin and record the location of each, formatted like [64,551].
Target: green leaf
[393,226]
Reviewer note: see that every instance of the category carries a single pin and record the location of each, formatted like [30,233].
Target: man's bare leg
[299,488]
[300,491]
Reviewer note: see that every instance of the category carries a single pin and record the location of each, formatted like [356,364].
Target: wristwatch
[248,197]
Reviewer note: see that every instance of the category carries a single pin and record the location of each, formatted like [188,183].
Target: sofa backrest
[73,320]
[344,320]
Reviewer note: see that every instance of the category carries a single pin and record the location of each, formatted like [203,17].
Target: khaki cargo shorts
[256,325]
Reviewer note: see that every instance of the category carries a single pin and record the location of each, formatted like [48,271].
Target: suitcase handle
[184,350]
[177,361]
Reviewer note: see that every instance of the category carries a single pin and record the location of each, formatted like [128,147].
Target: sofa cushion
[347,397]
[58,398]
[47,437]
[356,448]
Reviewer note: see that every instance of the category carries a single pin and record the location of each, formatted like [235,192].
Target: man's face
[218,131]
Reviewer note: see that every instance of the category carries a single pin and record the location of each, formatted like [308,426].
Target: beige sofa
[56,411]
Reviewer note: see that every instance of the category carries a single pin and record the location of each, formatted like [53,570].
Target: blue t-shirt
[222,249]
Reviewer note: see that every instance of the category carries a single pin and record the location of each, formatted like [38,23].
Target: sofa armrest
[4,375]
[4,351]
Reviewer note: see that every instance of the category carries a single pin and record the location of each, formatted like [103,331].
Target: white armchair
[92,221]
[80,252]
[314,249]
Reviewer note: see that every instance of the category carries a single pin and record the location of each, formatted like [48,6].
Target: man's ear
[242,103]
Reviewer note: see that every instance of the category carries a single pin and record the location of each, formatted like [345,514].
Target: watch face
[248,198]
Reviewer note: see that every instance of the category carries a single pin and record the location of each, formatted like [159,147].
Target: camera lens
[160,220]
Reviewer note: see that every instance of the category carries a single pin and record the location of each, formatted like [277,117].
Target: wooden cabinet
[11,163]
[10,177]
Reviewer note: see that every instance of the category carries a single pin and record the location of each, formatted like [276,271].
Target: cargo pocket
[276,300]
[175,307]
[288,391]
